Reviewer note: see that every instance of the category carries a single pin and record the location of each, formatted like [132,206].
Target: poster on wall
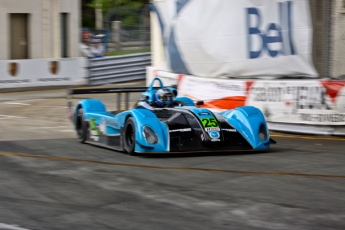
[237,38]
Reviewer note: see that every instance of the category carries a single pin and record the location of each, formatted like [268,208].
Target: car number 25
[209,122]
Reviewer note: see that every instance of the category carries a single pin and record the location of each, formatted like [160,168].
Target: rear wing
[118,91]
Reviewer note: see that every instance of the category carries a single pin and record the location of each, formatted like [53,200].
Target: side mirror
[199,102]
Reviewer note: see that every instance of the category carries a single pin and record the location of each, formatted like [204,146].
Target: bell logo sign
[280,33]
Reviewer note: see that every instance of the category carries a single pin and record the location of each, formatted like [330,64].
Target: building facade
[337,67]
[38,29]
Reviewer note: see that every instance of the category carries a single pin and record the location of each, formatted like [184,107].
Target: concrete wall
[338,39]
[73,7]
[157,43]
[44,26]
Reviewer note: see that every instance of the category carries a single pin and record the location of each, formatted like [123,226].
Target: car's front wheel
[81,126]
[129,136]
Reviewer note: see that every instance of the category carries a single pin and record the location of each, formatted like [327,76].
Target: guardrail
[117,69]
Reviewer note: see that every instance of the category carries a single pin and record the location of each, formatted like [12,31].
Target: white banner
[167,78]
[42,72]
[239,38]
[312,102]
[210,89]
[315,102]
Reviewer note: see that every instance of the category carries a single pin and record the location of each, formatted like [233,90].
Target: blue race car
[163,122]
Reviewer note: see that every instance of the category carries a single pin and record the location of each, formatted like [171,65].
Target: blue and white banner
[237,38]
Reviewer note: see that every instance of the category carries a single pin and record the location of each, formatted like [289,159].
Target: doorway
[19,36]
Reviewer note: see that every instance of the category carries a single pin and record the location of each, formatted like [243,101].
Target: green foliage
[88,23]
[105,5]
[128,11]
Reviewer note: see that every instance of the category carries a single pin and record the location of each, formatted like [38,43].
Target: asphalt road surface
[50,181]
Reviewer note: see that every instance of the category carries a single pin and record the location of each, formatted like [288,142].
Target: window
[19,36]
[64,35]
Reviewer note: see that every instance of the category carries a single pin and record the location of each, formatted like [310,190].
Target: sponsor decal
[14,81]
[95,138]
[13,68]
[101,128]
[309,102]
[94,130]
[54,67]
[214,134]
[275,33]
[204,114]
[212,129]
[54,79]
[296,97]
[180,130]
[215,84]
[230,130]
[331,118]
[94,135]
[227,86]
[215,140]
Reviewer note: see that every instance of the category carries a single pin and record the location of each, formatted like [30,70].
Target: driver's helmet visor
[167,97]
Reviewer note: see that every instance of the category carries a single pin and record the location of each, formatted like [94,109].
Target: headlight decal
[150,136]
[263,132]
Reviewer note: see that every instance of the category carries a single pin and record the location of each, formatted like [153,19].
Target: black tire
[80,126]
[129,136]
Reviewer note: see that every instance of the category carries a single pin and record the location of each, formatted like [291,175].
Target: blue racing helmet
[164,97]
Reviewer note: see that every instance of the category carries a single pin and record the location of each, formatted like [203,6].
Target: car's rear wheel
[80,125]
[129,136]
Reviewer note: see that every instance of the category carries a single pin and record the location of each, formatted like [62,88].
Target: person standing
[85,49]
[97,48]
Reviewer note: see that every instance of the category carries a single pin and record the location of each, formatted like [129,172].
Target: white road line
[52,106]
[43,106]
[47,127]
[8,116]
[66,130]
[11,227]
[16,103]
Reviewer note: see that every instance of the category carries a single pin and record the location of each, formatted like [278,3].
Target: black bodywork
[180,121]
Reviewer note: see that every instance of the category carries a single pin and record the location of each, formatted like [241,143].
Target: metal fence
[117,69]
[135,33]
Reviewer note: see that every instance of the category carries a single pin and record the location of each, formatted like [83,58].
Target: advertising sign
[42,72]
[237,38]
[314,102]
[309,102]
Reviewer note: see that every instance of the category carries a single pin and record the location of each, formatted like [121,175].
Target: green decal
[93,126]
[209,123]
